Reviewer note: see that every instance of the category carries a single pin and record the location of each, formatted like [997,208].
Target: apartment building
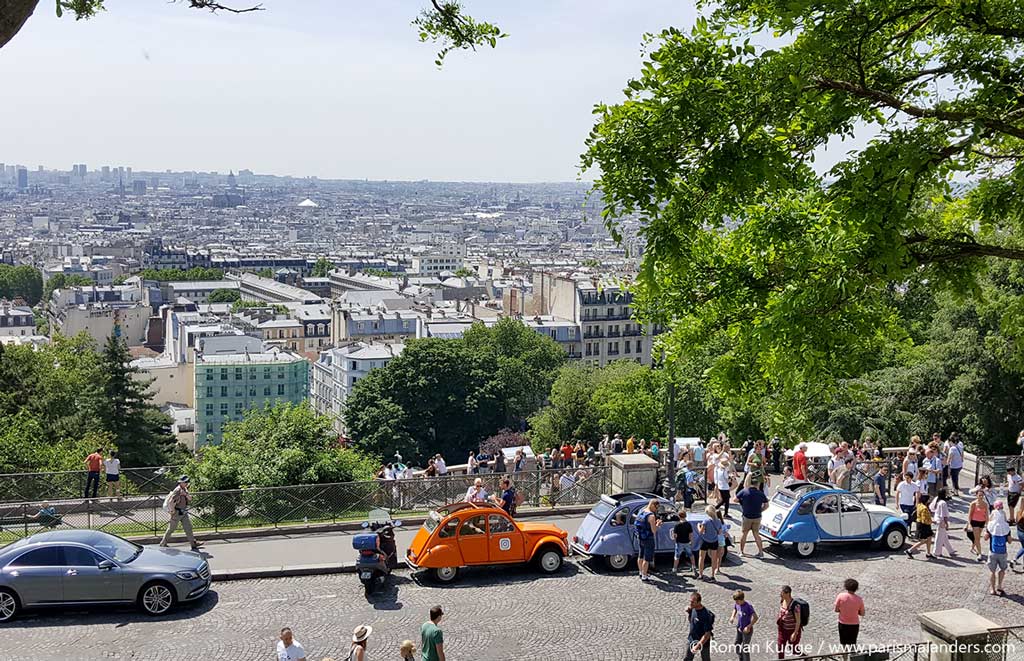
[337,371]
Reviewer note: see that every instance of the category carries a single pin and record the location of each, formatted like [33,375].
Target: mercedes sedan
[88,567]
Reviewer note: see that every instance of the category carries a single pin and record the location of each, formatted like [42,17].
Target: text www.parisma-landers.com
[825,647]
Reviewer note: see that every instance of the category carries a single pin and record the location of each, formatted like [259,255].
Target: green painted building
[228,385]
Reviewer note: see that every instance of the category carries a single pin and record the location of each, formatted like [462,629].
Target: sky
[327,88]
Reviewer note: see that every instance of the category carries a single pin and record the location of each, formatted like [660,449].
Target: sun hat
[184,478]
[361,633]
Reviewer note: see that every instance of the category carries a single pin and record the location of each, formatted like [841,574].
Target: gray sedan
[66,567]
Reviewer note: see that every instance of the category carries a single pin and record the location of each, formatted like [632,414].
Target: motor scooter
[378,553]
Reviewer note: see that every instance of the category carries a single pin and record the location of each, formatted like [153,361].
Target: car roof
[628,496]
[87,537]
[798,490]
[452,508]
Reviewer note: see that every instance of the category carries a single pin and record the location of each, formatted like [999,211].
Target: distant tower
[231,180]
[22,178]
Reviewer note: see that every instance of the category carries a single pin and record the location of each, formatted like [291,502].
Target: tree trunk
[13,14]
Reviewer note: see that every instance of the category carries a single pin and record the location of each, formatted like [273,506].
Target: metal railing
[995,466]
[65,485]
[280,507]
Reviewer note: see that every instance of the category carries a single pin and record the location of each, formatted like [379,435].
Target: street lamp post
[668,489]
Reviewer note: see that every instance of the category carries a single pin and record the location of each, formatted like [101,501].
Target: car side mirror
[106,565]
[366,524]
[397,524]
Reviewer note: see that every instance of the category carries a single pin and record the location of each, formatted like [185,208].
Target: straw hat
[361,633]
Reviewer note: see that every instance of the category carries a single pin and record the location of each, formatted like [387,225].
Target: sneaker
[909,554]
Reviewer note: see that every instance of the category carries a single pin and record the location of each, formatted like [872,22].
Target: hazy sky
[332,88]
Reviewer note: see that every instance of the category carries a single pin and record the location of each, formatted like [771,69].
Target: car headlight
[187,575]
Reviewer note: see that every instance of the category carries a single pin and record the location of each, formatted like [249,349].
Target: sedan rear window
[48,556]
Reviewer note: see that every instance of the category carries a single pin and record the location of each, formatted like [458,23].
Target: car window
[851,504]
[76,556]
[114,547]
[48,556]
[449,528]
[667,513]
[500,524]
[827,505]
[619,518]
[807,506]
[474,525]
[783,499]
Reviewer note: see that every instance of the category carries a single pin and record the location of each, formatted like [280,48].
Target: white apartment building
[337,371]
[16,320]
[446,258]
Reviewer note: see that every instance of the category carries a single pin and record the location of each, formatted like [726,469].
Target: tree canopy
[224,296]
[179,275]
[21,281]
[448,395]
[796,272]
[322,268]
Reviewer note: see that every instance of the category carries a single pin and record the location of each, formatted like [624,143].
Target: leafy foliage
[282,445]
[224,296]
[62,281]
[240,306]
[792,270]
[505,438]
[322,268]
[446,24]
[179,275]
[449,395]
[23,281]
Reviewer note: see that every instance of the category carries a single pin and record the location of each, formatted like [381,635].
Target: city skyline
[326,91]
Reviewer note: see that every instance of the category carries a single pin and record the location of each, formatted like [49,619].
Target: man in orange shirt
[567,454]
[800,463]
[93,462]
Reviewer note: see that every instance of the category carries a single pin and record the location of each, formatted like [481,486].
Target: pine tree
[140,430]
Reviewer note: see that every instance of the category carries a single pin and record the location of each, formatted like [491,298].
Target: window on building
[627,346]
[252,391]
[224,408]
[224,374]
[223,391]
[352,365]
[638,346]
[209,391]
[239,391]
[280,373]
[611,312]
[280,389]
[238,374]
[252,373]
[266,391]
[209,409]
[209,375]
[238,408]
[572,332]
[266,372]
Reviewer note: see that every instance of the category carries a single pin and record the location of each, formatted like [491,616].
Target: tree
[631,399]
[281,445]
[463,272]
[224,296]
[568,413]
[21,281]
[178,275]
[793,269]
[265,273]
[62,281]
[141,431]
[242,305]
[444,22]
[322,268]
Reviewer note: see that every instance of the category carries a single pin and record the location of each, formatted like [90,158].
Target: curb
[255,533]
[281,572]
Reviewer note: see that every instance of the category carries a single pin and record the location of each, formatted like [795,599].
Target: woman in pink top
[850,608]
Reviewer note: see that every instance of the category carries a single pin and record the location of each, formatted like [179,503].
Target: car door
[84,580]
[473,540]
[36,576]
[856,522]
[827,515]
[505,542]
[669,518]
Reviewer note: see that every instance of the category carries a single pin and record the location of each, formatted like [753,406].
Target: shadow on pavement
[476,577]
[386,598]
[118,615]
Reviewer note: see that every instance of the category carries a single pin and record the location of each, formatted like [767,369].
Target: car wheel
[617,562]
[156,598]
[8,605]
[446,574]
[805,549]
[549,561]
[894,538]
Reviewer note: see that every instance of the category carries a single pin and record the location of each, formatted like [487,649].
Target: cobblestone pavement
[586,612]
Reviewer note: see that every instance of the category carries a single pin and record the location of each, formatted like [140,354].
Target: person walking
[682,536]
[998,534]
[789,623]
[177,506]
[1013,488]
[977,517]
[647,525]
[702,621]
[906,497]
[752,503]
[723,478]
[442,468]
[850,607]
[924,528]
[709,530]
[360,638]
[289,649]
[112,469]
[955,460]
[93,463]
[800,463]
[472,464]
[940,516]
[432,638]
[879,485]
[744,617]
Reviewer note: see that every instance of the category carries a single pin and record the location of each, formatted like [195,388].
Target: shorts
[1012,498]
[113,478]
[647,549]
[752,525]
[683,550]
[709,546]
[924,531]
[997,562]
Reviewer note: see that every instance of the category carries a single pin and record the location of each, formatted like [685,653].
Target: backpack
[169,503]
[518,498]
[643,530]
[805,611]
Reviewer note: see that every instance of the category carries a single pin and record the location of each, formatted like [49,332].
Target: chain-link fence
[861,477]
[295,505]
[65,485]
[995,467]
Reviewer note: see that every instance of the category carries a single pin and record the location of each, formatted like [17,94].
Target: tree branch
[13,14]
[957,250]
[216,6]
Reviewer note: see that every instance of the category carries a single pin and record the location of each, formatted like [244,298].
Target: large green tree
[322,268]
[793,268]
[21,281]
[224,296]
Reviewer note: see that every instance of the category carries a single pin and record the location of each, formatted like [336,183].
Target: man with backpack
[176,504]
[702,621]
[510,499]
[647,524]
[792,618]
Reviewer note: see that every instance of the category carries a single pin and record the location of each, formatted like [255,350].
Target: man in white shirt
[1013,489]
[906,494]
[955,461]
[439,464]
[289,649]
[112,468]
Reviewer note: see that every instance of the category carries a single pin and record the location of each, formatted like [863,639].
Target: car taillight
[586,546]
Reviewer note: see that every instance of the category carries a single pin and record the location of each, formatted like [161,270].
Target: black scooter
[378,553]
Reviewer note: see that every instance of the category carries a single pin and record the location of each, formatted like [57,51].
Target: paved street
[583,613]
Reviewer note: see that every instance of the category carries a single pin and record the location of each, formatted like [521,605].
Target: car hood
[542,529]
[881,509]
[166,559]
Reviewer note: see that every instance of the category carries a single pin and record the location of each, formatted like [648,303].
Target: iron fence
[861,477]
[65,485]
[995,467]
[276,507]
